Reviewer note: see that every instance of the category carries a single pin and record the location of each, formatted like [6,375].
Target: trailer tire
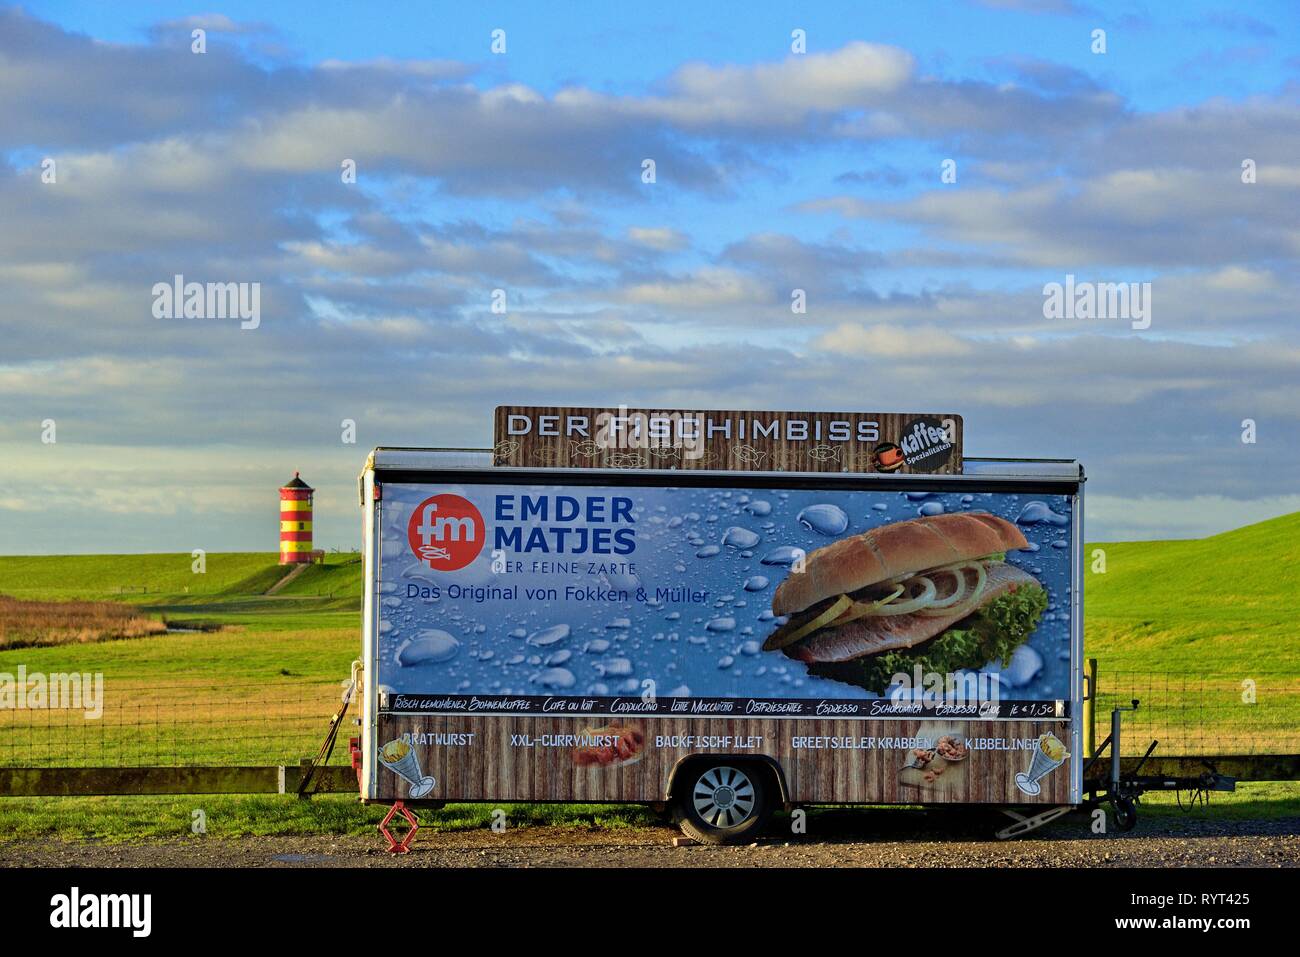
[723,802]
[1125,814]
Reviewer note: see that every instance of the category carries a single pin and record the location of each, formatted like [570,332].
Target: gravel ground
[906,841]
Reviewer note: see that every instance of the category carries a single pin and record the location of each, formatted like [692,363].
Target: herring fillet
[868,636]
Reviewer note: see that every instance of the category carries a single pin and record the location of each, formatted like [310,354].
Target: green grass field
[151,818]
[128,819]
[1221,604]
[259,690]
[1192,629]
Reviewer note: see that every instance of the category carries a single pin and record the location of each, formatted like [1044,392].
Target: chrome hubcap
[724,797]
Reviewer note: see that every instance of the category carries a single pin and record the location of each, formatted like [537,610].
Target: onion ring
[911,604]
[959,589]
[967,606]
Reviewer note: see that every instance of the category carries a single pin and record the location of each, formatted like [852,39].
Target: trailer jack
[1123,792]
[394,845]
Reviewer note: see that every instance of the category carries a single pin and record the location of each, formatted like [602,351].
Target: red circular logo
[446,532]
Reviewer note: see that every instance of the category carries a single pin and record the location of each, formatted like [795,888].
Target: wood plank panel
[866,767]
[784,451]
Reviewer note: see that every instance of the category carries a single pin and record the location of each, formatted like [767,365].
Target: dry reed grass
[32,624]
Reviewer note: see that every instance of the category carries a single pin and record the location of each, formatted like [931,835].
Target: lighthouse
[295,521]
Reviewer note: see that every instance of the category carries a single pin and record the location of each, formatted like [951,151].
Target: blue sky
[775,171]
[1152,57]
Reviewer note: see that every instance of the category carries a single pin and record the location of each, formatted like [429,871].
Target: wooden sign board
[897,442]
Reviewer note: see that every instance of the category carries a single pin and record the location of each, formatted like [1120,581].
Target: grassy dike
[1223,604]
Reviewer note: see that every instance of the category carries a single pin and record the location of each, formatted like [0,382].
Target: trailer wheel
[722,803]
[1125,814]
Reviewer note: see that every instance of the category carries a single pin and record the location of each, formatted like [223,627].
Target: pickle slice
[780,639]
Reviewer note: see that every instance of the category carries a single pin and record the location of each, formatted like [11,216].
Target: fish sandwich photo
[934,592]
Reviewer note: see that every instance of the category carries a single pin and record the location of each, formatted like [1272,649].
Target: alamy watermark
[970,692]
[653,430]
[179,299]
[75,909]
[624,429]
[37,691]
[1130,301]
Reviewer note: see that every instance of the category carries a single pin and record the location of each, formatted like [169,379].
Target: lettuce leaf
[991,634]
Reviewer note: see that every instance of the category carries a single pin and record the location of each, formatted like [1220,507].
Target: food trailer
[721,641]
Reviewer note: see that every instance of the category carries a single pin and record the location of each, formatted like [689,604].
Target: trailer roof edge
[405,459]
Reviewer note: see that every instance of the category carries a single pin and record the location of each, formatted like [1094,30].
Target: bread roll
[892,551]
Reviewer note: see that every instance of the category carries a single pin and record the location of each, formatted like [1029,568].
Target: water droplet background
[736,544]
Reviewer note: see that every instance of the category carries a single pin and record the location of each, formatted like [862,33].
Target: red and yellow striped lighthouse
[295,521]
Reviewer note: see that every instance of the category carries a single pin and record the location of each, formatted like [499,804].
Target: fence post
[1090,710]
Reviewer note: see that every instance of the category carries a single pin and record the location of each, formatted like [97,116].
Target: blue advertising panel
[510,599]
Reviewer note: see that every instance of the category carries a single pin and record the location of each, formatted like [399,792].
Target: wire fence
[178,722]
[1202,714]
[175,723]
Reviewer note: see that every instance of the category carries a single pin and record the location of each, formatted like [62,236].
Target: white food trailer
[609,635]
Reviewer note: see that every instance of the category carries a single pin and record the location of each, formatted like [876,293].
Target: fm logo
[446,532]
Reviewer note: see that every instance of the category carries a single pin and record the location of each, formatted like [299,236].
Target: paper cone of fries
[1048,756]
[400,758]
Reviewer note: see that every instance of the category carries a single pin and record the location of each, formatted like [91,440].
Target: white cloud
[1242,279]
[376,296]
[211,22]
[657,237]
[704,289]
[856,75]
[891,342]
